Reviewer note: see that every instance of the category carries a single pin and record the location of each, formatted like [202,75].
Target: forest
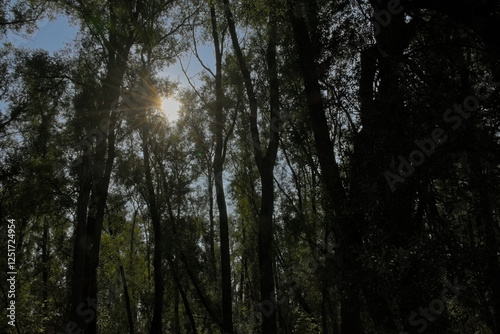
[333,168]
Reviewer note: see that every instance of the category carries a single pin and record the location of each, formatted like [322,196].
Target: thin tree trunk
[227,309]
[211,235]
[185,301]
[324,309]
[486,224]
[45,264]
[80,240]
[336,195]
[127,301]
[207,304]
[177,323]
[156,324]
[205,300]
[134,221]
[265,164]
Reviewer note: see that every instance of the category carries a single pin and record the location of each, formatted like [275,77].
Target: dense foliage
[335,167]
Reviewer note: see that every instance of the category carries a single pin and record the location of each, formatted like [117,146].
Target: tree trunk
[103,166]
[45,264]
[265,164]
[204,299]
[336,196]
[486,224]
[211,234]
[227,301]
[156,324]
[80,240]
[127,301]
[91,204]
[185,301]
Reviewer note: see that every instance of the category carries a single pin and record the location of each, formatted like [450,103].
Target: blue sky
[59,33]
[54,35]
[51,35]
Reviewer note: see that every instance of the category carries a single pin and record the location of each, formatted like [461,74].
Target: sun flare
[170,107]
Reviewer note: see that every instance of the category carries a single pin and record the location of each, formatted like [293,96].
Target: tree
[353,147]
[264,159]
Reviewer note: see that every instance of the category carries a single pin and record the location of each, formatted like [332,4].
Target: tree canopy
[333,168]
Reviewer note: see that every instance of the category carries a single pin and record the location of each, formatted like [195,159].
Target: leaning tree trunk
[127,301]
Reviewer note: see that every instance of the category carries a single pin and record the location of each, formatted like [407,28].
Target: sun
[170,107]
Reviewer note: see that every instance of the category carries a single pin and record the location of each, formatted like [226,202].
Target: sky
[55,35]
[51,35]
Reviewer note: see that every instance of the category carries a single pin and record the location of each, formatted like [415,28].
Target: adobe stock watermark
[11,271]
[427,146]
[436,307]
[383,17]
[86,310]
